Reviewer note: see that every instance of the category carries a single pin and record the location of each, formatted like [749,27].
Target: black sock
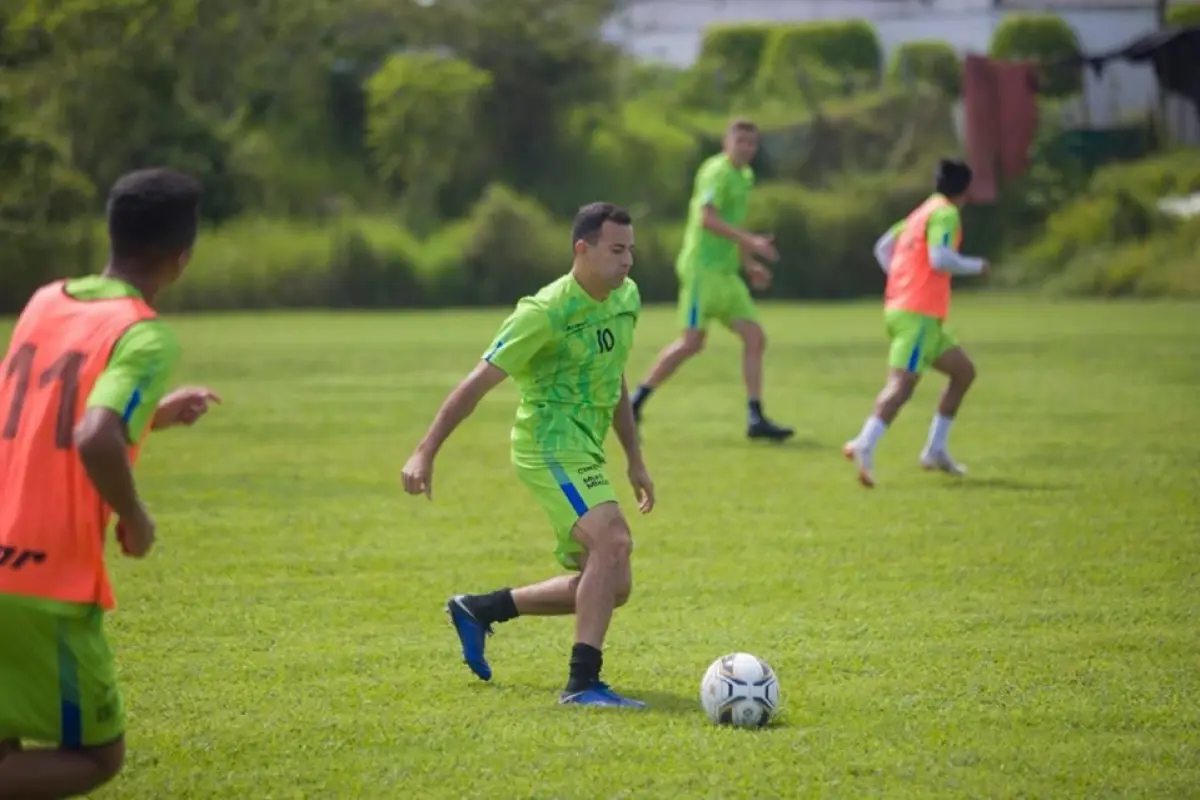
[497,606]
[755,411]
[640,396]
[585,667]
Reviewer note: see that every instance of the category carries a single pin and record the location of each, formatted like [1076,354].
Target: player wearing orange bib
[82,382]
[919,255]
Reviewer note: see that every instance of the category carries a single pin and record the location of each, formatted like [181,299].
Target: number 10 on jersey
[605,340]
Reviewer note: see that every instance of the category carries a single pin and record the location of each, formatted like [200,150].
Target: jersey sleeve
[137,375]
[942,229]
[521,336]
[715,182]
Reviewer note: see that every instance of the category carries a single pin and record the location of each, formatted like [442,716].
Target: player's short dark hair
[742,125]
[591,218]
[153,214]
[953,177]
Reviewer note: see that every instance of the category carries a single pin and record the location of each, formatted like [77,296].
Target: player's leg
[606,581]
[953,362]
[693,321]
[567,492]
[908,357]
[740,315]
[59,687]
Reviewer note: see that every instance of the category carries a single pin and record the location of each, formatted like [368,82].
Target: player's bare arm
[101,439]
[417,475]
[626,427]
[755,243]
[184,406]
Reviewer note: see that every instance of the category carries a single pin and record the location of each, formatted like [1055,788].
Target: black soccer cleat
[765,429]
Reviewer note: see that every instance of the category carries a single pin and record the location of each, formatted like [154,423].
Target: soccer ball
[740,690]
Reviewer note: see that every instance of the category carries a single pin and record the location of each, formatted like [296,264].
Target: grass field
[1030,631]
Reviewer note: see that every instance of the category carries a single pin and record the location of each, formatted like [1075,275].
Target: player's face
[741,146]
[611,257]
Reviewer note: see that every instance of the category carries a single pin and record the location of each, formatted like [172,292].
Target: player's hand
[136,534]
[184,406]
[417,475]
[763,246]
[643,487]
[760,277]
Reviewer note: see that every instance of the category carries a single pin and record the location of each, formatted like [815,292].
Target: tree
[421,113]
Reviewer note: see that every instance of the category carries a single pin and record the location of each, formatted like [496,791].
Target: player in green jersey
[715,250]
[565,348]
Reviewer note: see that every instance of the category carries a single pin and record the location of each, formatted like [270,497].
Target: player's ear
[580,247]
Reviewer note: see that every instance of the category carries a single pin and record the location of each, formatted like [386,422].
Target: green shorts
[567,490]
[58,682]
[704,297]
[918,340]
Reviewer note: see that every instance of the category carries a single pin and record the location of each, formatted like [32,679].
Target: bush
[509,246]
[734,52]
[1046,39]
[1119,206]
[1163,265]
[637,158]
[825,238]
[934,63]
[263,263]
[1183,16]
[843,52]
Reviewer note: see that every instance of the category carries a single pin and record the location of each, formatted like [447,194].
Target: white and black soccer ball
[740,690]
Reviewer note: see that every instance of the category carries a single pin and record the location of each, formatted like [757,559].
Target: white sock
[872,430]
[939,433]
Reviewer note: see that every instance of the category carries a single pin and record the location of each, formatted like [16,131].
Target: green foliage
[731,53]
[1044,38]
[825,237]
[815,57]
[638,158]
[1183,15]
[508,246]
[264,263]
[421,110]
[1119,211]
[42,199]
[876,132]
[931,62]
[1162,265]
[358,151]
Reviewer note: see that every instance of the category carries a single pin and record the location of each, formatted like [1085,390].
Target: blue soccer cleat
[472,634]
[598,694]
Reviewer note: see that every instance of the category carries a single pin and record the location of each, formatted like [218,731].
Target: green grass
[1030,631]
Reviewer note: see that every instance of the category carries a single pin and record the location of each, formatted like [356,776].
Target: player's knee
[900,388]
[613,548]
[754,339]
[692,343]
[108,759]
[966,373]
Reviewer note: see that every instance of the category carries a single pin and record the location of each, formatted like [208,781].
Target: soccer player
[83,380]
[566,349]
[919,255]
[714,250]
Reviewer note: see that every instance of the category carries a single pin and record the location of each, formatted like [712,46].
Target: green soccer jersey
[566,352]
[727,189]
[139,369]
